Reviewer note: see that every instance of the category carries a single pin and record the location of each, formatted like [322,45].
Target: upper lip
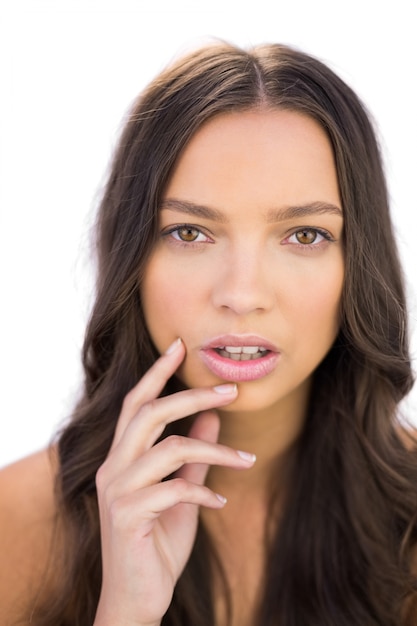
[238,341]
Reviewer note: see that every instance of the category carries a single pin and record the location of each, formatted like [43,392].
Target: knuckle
[175,443]
[145,413]
[180,486]
[104,485]
[128,401]
[101,478]
[117,513]
[147,409]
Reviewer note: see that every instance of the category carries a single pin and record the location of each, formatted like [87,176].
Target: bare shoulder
[408,436]
[27,526]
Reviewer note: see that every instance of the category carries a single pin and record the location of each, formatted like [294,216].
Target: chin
[251,400]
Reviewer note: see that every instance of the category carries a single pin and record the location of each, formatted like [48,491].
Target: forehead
[262,158]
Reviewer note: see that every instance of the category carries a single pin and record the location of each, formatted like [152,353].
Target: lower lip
[239,371]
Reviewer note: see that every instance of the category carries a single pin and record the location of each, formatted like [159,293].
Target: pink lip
[239,371]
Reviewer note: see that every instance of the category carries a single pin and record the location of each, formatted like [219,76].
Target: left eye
[308,236]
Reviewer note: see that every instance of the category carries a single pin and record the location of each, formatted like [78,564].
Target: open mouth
[242,353]
[240,357]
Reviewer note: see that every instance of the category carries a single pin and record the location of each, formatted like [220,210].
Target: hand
[148,527]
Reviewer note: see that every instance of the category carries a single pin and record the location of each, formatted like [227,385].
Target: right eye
[187,233]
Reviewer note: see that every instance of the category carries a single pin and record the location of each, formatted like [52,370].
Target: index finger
[150,386]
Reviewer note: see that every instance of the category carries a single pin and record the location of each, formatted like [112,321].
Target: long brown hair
[342,551]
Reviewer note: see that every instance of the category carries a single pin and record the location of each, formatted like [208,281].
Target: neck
[271,434]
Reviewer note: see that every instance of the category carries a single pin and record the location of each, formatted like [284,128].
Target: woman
[249,344]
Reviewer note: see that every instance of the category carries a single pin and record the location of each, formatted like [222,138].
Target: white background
[69,71]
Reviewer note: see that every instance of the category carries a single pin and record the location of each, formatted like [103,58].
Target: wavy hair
[342,551]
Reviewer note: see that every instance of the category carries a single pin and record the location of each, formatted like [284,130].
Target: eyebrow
[197,210]
[303,210]
[271,216]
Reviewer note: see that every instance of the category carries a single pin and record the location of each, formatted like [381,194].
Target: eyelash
[327,238]
[304,246]
[180,242]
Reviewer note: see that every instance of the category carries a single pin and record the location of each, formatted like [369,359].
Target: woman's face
[248,269]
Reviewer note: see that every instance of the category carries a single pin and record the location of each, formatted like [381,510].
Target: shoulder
[27,527]
[407,433]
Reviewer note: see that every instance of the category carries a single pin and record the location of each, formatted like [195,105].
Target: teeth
[252,349]
[242,353]
[244,349]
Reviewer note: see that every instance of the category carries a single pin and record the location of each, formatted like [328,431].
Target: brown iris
[306,236]
[188,234]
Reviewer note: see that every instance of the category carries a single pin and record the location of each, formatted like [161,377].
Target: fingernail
[247,456]
[173,346]
[227,388]
[222,499]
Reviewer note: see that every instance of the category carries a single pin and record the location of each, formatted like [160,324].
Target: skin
[250,275]
[246,274]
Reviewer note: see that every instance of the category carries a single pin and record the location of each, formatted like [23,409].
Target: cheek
[156,305]
[169,300]
[316,301]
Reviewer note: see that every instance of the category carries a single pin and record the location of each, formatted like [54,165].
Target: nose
[244,283]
